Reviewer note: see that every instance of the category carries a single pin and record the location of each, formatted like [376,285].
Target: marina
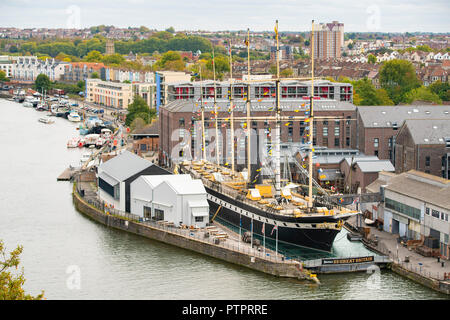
[99,250]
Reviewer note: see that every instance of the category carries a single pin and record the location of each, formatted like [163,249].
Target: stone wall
[281,269]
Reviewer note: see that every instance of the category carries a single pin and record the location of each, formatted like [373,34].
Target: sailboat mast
[215,110]
[232,111]
[278,120]
[203,118]
[311,121]
[248,108]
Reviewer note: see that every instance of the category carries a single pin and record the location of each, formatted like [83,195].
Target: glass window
[403,208]
[427,211]
[198,219]
[325,131]
[375,142]
[159,215]
[435,213]
[336,131]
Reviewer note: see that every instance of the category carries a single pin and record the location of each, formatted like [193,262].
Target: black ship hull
[290,230]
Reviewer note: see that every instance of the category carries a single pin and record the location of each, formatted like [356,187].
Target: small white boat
[91,139]
[47,120]
[73,143]
[74,116]
[27,104]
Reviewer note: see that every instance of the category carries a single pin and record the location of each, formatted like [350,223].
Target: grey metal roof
[375,165]
[124,165]
[422,186]
[106,177]
[263,105]
[387,116]
[429,131]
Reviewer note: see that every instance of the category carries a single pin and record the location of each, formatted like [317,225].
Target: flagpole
[215,112]
[232,113]
[251,237]
[240,223]
[203,117]
[276,243]
[264,239]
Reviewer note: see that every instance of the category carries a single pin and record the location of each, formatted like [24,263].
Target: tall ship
[274,208]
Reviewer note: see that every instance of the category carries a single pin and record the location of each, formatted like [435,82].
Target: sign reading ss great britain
[348,261]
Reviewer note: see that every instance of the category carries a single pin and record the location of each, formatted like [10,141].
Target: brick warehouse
[424,145]
[329,133]
[379,125]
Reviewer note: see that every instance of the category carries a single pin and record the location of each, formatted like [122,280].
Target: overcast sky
[258,15]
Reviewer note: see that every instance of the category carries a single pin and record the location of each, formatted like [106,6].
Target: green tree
[11,283]
[42,83]
[422,94]
[286,73]
[113,59]
[367,95]
[171,30]
[398,77]
[93,56]
[3,77]
[95,75]
[371,59]
[139,109]
[442,89]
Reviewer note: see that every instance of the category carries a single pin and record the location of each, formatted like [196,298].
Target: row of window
[435,213]
[402,208]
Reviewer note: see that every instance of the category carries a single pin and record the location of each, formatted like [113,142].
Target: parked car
[74,104]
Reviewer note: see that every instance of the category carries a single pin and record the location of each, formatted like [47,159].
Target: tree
[371,59]
[398,77]
[422,94]
[3,77]
[11,284]
[95,75]
[367,95]
[93,56]
[137,123]
[442,89]
[286,73]
[171,30]
[113,59]
[42,83]
[139,109]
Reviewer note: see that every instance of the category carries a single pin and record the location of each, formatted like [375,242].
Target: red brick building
[424,145]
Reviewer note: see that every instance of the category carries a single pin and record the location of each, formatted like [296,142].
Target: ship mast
[278,120]
[311,122]
[232,111]
[248,107]
[203,118]
[215,111]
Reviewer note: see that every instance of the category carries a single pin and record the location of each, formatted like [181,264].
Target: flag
[276,31]
[246,42]
[274,228]
[262,230]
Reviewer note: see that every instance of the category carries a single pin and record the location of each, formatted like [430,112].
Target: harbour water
[61,245]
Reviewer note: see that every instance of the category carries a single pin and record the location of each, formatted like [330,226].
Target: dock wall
[280,269]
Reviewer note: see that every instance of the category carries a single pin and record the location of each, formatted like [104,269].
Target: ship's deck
[234,185]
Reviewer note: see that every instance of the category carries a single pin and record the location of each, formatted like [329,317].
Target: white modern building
[178,199]
[116,175]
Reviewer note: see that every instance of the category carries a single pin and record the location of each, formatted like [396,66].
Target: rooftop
[428,131]
[422,186]
[391,116]
[124,165]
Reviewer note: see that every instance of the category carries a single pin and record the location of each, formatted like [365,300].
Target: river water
[72,257]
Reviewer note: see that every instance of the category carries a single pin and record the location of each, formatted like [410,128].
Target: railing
[409,266]
[198,235]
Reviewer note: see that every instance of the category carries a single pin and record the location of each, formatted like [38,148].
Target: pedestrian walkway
[387,244]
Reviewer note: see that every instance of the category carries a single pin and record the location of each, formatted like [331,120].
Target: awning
[108,179]
[200,211]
